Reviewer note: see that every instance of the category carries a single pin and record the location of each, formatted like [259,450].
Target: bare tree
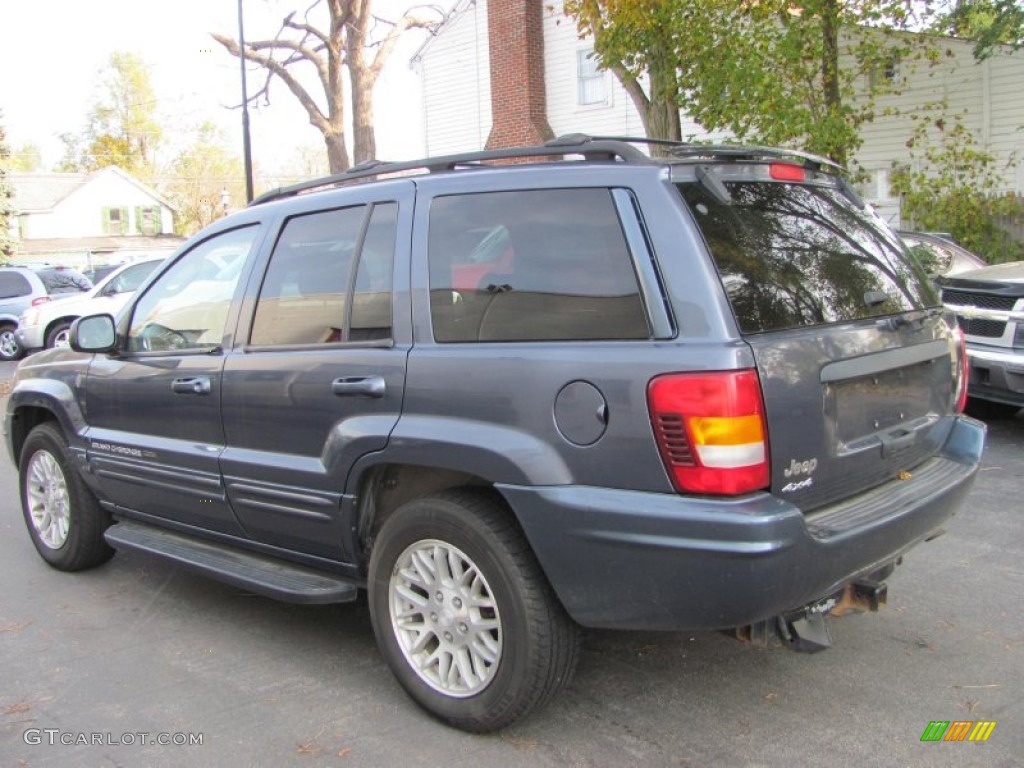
[355,39]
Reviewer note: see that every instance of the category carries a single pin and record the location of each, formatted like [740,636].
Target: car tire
[58,334]
[463,614]
[10,349]
[990,409]
[64,519]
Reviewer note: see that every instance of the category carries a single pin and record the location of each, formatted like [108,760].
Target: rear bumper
[633,560]
[996,374]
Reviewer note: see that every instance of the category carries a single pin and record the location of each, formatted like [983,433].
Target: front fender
[54,392]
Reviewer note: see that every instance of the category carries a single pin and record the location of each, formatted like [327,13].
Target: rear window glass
[532,265]
[794,255]
[64,281]
[13,285]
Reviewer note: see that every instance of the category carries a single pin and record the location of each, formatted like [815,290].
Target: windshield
[796,255]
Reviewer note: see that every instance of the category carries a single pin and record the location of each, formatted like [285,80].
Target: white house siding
[989,97]
[1006,101]
[617,116]
[80,213]
[454,71]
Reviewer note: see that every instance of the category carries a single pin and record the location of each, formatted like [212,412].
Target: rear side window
[329,279]
[14,284]
[794,255]
[534,265]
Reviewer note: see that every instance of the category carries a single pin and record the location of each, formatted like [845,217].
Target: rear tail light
[40,300]
[710,430]
[961,373]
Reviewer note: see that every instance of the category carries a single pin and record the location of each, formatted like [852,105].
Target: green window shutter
[115,221]
[147,220]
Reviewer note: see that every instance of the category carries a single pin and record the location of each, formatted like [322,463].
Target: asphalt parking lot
[136,652]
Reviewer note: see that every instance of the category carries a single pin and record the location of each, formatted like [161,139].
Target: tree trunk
[830,72]
[337,152]
[661,118]
[364,142]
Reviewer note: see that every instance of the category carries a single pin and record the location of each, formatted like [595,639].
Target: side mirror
[93,333]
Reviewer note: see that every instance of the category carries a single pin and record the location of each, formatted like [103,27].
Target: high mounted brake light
[711,431]
[787,172]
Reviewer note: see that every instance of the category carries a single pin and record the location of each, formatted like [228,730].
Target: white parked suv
[46,325]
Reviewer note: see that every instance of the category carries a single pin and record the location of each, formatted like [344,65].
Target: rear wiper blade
[713,185]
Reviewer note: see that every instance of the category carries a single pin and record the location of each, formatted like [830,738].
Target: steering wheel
[160,338]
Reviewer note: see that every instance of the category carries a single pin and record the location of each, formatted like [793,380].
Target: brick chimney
[515,32]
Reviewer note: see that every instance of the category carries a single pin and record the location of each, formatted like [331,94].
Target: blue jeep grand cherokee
[590,388]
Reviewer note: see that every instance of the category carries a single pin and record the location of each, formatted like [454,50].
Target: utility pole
[246,143]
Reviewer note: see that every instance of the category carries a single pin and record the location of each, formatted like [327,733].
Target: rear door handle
[197,385]
[368,386]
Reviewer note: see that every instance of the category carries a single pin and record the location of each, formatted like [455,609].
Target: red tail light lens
[961,373]
[710,430]
[40,300]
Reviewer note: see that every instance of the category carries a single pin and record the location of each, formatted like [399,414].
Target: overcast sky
[53,52]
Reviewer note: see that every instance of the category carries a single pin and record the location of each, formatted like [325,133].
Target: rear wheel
[64,519]
[10,349]
[463,614]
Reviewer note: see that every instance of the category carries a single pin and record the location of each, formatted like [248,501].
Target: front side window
[187,307]
[533,265]
[329,279]
[131,278]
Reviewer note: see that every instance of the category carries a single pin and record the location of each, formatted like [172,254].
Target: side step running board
[257,573]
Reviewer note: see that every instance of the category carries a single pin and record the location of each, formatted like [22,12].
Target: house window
[590,80]
[886,74]
[115,221]
[147,220]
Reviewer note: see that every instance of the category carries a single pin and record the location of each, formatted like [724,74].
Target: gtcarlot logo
[958,730]
[54,736]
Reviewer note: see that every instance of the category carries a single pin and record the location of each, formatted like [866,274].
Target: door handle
[198,385]
[370,386]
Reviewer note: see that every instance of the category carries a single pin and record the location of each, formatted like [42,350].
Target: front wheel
[58,335]
[64,519]
[463,614]
[10,349]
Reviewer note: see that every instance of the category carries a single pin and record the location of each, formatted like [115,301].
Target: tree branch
[316,116]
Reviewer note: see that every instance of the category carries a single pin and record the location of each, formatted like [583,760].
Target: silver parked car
[47,324]
[22,288]
[941,255]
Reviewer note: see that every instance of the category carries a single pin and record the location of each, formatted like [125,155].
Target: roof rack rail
[579,144]
[693,151]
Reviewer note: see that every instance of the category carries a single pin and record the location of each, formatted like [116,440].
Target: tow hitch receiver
[804,629]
